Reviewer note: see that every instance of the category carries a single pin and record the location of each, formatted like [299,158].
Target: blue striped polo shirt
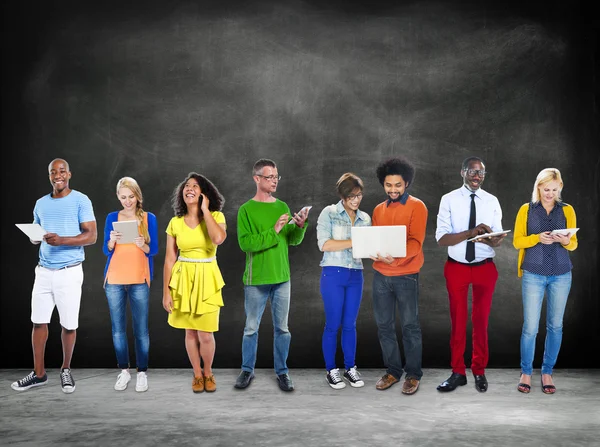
[62,216]
[542,259]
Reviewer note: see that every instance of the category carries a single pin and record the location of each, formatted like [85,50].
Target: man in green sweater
[265,229]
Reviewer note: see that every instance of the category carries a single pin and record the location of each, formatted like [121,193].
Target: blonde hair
[545,176]
[130,183]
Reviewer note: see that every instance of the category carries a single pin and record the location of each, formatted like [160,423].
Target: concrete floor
[313,415]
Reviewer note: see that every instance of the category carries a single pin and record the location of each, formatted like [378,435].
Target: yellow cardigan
[521,241]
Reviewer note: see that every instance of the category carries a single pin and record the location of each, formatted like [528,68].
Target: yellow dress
[195,286]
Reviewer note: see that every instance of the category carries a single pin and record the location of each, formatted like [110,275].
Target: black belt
[65,267]
[471,264]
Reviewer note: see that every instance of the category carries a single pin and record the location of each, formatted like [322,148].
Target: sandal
[524,387]
[548,389]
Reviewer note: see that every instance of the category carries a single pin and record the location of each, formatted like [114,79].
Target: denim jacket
[334,223]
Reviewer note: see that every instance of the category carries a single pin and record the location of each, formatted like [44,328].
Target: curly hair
[396,166]
[208,189]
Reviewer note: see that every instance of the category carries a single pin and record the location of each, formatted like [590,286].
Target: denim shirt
[334,223]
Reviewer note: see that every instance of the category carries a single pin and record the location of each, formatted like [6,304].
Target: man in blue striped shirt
[67,216]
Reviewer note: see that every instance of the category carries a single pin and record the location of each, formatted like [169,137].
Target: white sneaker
[334,379]
[353,377]
[123,380]
[141,383]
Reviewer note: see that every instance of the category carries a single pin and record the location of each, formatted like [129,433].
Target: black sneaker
[353,377]
[285,383]
[66,381]
[29,381]
[243,380]
[335,380]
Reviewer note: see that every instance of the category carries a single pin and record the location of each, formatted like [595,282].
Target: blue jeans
[138,295]
[557,291]
[401,293]
[256,298]
[341,290]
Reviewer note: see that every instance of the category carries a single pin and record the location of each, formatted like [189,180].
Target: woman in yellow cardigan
[545,266]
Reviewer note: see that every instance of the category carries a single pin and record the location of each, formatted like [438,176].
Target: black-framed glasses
[472,172]
[355,196]
[270,178]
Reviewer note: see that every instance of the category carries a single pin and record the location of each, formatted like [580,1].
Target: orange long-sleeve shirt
[413,214]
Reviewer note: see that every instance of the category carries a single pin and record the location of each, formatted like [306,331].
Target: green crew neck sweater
[266,251]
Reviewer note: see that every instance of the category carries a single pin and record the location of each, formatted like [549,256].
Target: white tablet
[565,231]
[368,241]
[34,231]
[483,236]
[128,229]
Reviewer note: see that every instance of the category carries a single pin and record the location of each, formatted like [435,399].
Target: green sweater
[266,251]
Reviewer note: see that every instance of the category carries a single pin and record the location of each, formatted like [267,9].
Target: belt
[182,259]
[471,264]
[62,268]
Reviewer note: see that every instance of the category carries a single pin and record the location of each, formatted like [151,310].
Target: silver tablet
[128,229]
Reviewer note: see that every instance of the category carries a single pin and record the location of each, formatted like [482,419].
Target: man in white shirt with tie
[465,213]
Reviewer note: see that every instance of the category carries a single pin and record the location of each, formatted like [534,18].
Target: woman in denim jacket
[341,278]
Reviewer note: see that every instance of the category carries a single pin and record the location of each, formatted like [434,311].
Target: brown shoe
[410,386]
[209,384]
[198,384]
[385,382]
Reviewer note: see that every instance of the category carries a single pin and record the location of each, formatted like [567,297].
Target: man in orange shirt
[396,280]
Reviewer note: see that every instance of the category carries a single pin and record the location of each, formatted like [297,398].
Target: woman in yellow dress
[192,279]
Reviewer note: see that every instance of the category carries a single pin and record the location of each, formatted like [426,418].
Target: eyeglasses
[353,196]
[472,172]
[270,178]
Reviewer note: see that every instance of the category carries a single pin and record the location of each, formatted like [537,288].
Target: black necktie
[470,256]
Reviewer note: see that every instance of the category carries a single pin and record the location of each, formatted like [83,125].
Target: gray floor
[313,415]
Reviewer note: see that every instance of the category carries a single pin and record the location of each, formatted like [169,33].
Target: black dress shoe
[285,383]
[244,380]
[450,384]
[481,383]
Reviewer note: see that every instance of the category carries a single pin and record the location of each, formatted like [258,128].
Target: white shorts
[60,288]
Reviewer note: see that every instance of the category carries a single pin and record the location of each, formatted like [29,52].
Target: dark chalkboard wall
[154,92]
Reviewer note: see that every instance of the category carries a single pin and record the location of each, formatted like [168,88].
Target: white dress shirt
[453,217]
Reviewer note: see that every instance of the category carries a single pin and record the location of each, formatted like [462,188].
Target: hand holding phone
[300,217]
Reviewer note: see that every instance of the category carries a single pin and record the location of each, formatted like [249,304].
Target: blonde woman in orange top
[127,275]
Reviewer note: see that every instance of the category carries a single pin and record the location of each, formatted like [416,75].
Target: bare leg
[193,350]
[39,336]
[68,337]
[207,350]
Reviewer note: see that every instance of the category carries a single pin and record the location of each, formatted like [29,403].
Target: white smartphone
[307,208]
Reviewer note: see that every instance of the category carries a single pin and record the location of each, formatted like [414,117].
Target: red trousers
[458,278]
